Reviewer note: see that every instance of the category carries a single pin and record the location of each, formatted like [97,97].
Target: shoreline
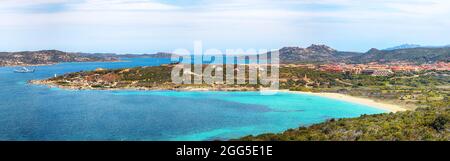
[353,99]
[185,89]
[337,96]
[50,64]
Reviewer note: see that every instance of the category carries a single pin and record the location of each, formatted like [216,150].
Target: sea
[40,113]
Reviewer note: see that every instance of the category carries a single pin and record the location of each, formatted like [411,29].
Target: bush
[439,123]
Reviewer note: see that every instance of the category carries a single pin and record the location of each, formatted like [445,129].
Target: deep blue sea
[33,112]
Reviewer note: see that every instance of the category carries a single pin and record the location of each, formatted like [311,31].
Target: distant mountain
[325,54]
[404,46]
[157,55]
[415,55]
[410,46]
[44,57]
[288,55]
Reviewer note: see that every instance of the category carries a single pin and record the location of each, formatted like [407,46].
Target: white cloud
[249,10]
[121,5]
[285,21]
[90,5]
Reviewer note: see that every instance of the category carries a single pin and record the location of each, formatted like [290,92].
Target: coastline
[357,100]
[48,64]
[187,89]
[28,65]
[337,96]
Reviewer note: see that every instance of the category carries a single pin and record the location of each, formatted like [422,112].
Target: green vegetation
[421,124]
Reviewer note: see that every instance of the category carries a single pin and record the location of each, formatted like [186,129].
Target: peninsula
[405,89]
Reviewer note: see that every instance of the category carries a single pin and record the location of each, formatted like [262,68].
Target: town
[375,69]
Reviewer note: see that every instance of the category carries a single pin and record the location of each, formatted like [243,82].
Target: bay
[34,112]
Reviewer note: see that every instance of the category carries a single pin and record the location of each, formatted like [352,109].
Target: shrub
[439,123]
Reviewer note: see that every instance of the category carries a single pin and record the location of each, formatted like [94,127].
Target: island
[49,57]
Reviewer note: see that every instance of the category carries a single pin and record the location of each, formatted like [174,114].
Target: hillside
[420,125]
[415,55]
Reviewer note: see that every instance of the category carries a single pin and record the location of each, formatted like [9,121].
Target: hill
[415,55]
[313,54]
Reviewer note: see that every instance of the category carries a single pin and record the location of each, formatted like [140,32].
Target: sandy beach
[363,101]
[337,96]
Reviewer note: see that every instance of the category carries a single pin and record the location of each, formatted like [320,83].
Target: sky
[149,26]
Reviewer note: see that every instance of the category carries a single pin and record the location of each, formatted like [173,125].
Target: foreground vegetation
[425,93]
[421,124]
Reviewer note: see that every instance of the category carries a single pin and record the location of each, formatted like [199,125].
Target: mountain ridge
[404,46]
[288,55]
[326,54]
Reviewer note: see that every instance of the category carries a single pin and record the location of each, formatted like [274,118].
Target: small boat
[24,70]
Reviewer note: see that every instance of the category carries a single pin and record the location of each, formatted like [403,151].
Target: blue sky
[148,26]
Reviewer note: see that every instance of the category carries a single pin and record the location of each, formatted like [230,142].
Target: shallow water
[32,112]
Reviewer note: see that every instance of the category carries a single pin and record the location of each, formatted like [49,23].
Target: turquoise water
[32,112]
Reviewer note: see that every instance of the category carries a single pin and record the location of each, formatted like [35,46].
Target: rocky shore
[54,84]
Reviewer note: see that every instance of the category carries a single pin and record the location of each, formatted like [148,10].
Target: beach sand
[337,96]
[363,101]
